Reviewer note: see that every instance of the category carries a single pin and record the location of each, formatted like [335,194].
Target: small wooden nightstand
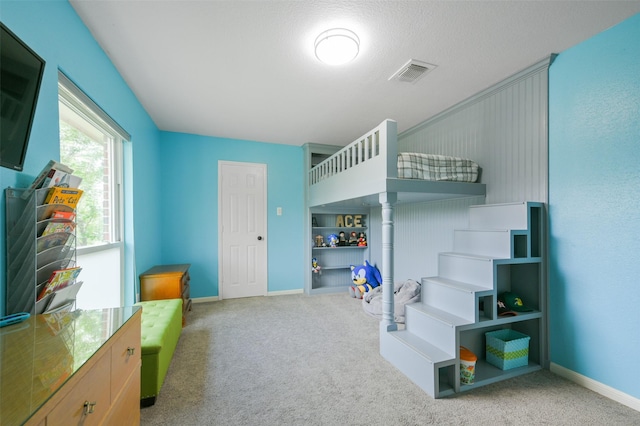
[167,282]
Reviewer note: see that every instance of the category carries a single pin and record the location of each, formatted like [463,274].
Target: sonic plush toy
[365,278]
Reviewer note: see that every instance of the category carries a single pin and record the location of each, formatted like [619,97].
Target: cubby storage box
[507,349]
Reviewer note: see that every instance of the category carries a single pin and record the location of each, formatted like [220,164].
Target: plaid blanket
[413,165]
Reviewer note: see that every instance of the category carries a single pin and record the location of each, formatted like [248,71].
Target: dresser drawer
[92,389]
[126,409]
[126,354]
[166,286]
[186,293]
[184,282]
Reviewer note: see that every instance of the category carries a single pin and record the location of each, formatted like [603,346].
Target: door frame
[222,163]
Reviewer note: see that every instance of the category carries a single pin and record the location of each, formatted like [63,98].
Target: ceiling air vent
[412,71]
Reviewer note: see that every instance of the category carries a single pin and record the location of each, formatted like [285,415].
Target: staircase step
[444,317]
[458,285]
[415,358]
[433,325]
[466,267]
[457,298]
[499,216]
[436,356]
[494,242]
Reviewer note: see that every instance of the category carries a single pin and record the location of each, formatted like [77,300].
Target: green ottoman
[161,328]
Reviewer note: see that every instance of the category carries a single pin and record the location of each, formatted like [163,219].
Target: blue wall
[56,33]
[594,156]
[190,220]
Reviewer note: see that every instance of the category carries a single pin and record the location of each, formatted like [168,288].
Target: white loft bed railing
[371,147]
[359,169]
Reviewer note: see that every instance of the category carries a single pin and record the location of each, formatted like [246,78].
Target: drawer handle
[89,407]
[130,350]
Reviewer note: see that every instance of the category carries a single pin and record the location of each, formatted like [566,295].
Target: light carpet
[314,360]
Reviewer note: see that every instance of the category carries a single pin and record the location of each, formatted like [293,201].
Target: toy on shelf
[319,241]
[365,278]
[362,240]
[353,239]
[332,240]
[314,266]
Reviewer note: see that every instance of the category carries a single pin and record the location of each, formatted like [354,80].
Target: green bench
[161,328]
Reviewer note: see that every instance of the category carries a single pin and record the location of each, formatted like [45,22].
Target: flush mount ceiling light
[337,46]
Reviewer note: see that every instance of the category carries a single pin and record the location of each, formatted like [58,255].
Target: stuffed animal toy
[365,278]
[362,240]
[333,240]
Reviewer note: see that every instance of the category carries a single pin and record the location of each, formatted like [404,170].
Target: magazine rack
[32,258]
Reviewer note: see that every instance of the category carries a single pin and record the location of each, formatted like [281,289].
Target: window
[91,144]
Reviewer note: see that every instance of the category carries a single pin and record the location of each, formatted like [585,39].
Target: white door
[242,229]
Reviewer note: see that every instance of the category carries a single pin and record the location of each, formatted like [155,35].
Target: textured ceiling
[246,69]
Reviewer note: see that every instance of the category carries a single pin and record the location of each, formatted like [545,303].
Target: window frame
[74,98]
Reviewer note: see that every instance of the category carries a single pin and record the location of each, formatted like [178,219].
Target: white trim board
[271,293]
[284,292]
[205,299]
[595,386]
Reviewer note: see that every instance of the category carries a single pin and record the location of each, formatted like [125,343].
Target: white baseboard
[595,386]
[271,293]
[284,292]
[205,299]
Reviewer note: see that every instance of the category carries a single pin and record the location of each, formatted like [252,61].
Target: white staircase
[501,251]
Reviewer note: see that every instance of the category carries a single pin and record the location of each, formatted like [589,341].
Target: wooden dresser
[167,282]
[80,367]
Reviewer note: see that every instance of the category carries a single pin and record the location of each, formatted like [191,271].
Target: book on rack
[62,179]
[59,214]
[58,226]
[67,196]
[55,239]
[62,297]
[39,180]
[59,279]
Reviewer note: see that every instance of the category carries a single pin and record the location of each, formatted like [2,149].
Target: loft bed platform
[368,168]
[408,191]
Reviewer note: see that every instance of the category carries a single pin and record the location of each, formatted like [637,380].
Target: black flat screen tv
[21,71]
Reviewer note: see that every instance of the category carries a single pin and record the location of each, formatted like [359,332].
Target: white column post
[388,201]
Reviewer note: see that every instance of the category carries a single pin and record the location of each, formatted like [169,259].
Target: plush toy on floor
[365,278]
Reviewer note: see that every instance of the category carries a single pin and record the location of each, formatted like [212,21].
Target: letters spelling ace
[349,221]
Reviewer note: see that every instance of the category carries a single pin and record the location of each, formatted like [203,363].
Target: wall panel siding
[503,129]
[421,232]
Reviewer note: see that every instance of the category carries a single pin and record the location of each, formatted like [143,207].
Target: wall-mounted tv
[21,71]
